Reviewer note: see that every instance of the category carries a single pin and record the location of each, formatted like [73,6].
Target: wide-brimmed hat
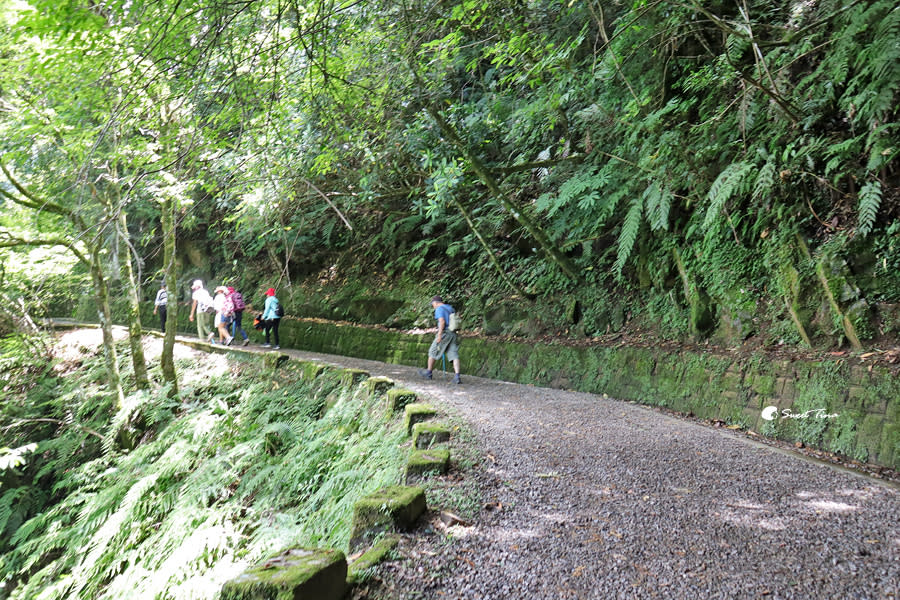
[222,289]
[197,284]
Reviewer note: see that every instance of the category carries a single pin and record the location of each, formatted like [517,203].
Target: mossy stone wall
[734,390]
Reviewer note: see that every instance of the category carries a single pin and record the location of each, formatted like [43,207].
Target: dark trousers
[272,325]
[162,317]
[236,324]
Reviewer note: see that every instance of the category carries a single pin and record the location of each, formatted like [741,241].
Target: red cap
[270,292]
[230,290]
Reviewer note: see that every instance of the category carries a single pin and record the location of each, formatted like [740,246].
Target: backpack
[279,309]
[453,325]
[238,300]
[228,307]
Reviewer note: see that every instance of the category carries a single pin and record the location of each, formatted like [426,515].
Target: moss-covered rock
[295,574]
[391,509]
[274,360]
[426,435]
[422,463]
[352,377]
[311,370]
[398,398]
[378,386]
[416,413]
[371,557]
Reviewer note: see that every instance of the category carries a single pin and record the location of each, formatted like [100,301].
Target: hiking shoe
[228,341]
[276,347]
[456,378]
[246,341]
[425,373]
[266,346]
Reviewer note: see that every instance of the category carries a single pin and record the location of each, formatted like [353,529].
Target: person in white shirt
[201,307]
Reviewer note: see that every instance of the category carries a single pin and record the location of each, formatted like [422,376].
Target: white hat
[197,284]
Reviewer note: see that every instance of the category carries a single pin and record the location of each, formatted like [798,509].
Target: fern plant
[869,201]
[731,181]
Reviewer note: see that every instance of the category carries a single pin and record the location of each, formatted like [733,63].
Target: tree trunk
[167,218]
[135,331]
[105,315]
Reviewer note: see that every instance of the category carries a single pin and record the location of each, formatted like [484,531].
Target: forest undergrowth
[171,497]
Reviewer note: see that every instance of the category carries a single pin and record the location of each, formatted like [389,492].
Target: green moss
[356,572]
[426,435]
[378,386]
[296,573]
[272,360]
[398,398]
[870,431]
[425,462]
[312,370]
[889,452]
[416,413]
[352,377]
[394,508]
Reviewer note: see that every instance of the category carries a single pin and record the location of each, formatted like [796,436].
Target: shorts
[449,345]
[222,320]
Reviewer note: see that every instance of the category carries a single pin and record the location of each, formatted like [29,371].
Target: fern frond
[869,202]
[723,188]
[841,153]
[658,201]
[765,180]
[629,233]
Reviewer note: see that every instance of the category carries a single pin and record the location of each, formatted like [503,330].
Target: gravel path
[586,497]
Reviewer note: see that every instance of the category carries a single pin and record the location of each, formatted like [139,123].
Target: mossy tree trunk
[135,330]
[82,230]
[167,219]
[104,313]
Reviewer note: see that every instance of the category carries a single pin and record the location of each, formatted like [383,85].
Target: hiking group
[227,308]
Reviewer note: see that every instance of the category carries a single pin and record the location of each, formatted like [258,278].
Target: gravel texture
[579,496]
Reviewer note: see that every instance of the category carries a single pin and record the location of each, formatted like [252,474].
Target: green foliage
[629,233]
[869,201]
[244,465]
[622,134]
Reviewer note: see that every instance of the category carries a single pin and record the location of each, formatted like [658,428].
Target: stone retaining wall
[841,407]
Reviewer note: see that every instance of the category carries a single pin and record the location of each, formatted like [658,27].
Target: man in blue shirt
[445,342]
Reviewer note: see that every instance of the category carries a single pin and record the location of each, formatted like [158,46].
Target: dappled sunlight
[74,345]
[153,347]
[830,506]
[195,568]
[789,511]
[207,367]
[752,515]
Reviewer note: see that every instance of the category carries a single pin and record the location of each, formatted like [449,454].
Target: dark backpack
[238,301]
[279,309]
